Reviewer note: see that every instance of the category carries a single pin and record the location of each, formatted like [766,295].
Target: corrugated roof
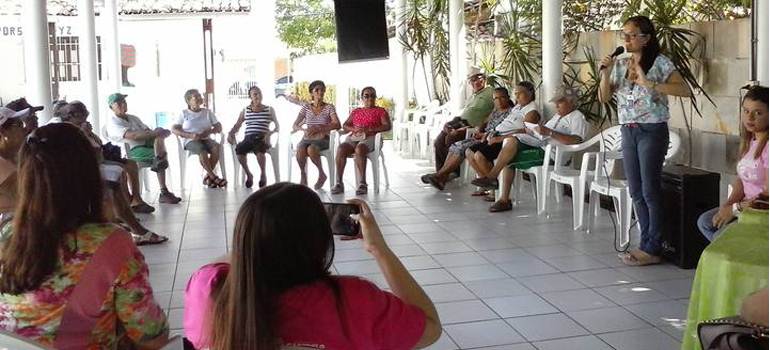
[138,7]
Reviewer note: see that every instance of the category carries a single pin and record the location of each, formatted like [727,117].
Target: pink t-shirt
[753,171]
[368,117]
[371,318]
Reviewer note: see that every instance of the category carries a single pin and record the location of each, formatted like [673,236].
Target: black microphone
[619,50]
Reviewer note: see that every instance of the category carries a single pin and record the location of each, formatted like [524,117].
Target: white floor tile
[477,273]
[460,259]
[520,346]
[589,342]
[464,311]
[441,293]
[608,320]
[431,237]
[545,327]
[446,247]
[528,267]
[667,313]
[601,277]
[497,288]
[631,294]
[641,339]
[421,262]
[433,276]
[680,288]
[485,333]
[552,251]
[506,255]
[550,283]
[443,343]
[517,306]
[574,263]
[575,300]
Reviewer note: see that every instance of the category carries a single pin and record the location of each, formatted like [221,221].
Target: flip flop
[149,238]
[434,182]
[479,193]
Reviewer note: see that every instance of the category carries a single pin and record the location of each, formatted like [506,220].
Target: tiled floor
[510,280]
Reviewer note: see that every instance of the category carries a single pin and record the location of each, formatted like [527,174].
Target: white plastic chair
[401,126]
[328,153]
[184,154]
[419,131]
[144,180]
[274,158]
[375,157]
[12,341]
[576,179]
[602,184]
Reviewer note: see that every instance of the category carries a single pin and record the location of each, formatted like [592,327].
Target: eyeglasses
[631,36]
[369,96]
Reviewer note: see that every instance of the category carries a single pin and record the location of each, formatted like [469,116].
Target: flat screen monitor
[361,30]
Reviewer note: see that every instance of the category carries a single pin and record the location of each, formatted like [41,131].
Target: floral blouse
[128,315]
[637,104]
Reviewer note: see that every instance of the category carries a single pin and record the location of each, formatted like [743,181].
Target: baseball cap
[564,92]
[115,98]
[21,104]
[474,71]
[7,113]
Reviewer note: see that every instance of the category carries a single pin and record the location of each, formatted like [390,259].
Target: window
[65,58]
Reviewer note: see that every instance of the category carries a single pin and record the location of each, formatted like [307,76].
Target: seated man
[195,125]
[568,126]
[475,112]
[147,145]
[362,126]
[113,174]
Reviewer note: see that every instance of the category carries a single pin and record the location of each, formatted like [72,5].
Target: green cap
[115,98]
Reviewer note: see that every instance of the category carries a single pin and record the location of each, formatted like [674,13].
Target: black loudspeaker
[362,32]
[687,193]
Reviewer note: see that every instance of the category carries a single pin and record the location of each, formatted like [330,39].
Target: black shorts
[252,143]
[490,152]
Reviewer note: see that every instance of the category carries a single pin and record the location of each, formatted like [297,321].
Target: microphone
[619,50]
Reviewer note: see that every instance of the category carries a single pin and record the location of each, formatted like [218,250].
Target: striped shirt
[322,118]
[257,122]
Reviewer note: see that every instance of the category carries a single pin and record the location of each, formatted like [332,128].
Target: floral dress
[129,313]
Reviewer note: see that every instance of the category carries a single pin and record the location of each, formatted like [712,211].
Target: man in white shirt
[567,126]
[146,145]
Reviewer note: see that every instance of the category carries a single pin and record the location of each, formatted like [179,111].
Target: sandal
[645,259]
[435,183]
[149,238]
[500,206]
[338,188]
[219,182]
[425,178]
[207,180]
[350,238]
[262,182]
[362,189]
[320,183]
[480,193]
[489,198]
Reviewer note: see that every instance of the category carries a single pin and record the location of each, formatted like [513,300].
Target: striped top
[322,118]
[257,122]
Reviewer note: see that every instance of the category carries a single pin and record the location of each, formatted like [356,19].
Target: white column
[402,97]
[456,54]
[88,60]
[37,66]
[111,45]
[552,60]
[762,45]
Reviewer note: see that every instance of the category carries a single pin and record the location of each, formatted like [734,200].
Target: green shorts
[527,157]
[142,154]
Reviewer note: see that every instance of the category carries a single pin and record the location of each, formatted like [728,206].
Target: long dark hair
[651,50]
[282,239]
[60,189]
[755,93]
[505,92]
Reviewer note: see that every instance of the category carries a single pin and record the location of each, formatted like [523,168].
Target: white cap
[7,113]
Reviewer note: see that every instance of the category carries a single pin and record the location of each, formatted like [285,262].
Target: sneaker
[362,189]
[168,198]
[424,178]
[338,188]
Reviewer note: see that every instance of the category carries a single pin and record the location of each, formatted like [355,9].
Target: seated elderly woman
[503,107]
[276,289]
[257,139]
[319,118]
[567,126]
[752,178]
[114,170]
[70,279]
[362,125]
[481,156]
[196,124]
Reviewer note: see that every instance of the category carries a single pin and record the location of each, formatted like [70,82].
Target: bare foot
[321,180]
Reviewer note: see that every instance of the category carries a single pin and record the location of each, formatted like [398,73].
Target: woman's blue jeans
[706,226]
[644,150]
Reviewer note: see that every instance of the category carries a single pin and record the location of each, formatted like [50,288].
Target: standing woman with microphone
[641,84]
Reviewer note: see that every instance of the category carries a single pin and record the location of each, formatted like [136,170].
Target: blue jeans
[706,227]
[644,149]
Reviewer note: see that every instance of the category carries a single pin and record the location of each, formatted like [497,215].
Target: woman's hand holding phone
[374,243]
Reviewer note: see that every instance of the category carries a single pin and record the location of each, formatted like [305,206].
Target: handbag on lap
[732,333]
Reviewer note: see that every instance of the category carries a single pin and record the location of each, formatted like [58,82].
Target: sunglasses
[369,96]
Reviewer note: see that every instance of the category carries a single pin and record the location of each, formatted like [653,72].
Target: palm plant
[520,28]
[587,102]
[488,64]
[425,36]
